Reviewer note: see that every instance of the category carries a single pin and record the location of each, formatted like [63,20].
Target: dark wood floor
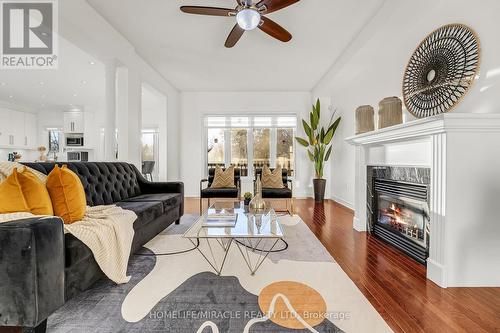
[394,284]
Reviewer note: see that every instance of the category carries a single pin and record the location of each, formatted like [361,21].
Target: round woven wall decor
[441,70]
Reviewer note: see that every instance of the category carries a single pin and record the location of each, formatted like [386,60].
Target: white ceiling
[188,50]
[75,84]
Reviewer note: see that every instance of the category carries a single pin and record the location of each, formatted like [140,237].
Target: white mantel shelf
[462,151]
[448,122]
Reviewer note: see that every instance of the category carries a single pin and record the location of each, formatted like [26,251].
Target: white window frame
[250,143]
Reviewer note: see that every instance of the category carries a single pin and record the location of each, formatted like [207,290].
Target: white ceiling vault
[188,50]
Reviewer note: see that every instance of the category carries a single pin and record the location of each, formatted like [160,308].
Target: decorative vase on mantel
[257,205]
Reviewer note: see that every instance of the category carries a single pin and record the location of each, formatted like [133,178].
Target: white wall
[195,105]
[372,67]
[154,115]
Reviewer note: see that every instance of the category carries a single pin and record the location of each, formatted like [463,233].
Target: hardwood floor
[394,284]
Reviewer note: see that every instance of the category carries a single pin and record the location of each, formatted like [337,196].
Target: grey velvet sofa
[41,267]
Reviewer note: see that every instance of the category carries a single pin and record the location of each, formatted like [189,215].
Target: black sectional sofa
[41,268]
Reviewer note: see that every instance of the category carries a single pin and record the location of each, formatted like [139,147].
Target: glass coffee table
[255,235]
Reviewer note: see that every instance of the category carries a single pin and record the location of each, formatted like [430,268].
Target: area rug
[300,289]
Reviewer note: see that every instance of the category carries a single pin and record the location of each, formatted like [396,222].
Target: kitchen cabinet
[30,130]
[74,122]
[5,136]
[18,130]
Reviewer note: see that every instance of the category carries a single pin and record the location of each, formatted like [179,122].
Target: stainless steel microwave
[73,140]
[78,156]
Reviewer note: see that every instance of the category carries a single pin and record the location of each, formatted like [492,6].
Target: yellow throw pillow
[67,194]
[223,179]
[6,169]
[11,195]
[272,179]
[35,193]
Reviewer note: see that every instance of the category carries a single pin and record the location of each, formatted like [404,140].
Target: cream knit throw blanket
[108,232]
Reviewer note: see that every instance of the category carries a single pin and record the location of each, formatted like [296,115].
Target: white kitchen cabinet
[4,127]
[30,130]
[17,129]
[74,122]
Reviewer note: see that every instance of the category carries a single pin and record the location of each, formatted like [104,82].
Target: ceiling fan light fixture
[248,19]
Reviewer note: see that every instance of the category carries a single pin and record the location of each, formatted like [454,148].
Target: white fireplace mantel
[463,152]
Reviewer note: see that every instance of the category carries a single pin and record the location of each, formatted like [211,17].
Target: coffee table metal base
[245,247]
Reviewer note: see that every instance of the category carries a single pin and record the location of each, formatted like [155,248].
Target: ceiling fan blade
[274,5]
[213,11]
[234,36]
[275,30]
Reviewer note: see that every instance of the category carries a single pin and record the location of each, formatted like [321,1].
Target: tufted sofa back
[105,183]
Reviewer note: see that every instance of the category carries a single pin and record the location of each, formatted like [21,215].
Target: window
[150,152]
[250,142]
[239,149]
[215,147]
[54,140]
[261,147]
[284,148]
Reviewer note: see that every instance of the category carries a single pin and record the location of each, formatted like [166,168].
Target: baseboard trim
[342,202]
[358,225]
[436,273]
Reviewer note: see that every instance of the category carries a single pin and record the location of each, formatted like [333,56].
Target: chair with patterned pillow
[212,192]
[271,191]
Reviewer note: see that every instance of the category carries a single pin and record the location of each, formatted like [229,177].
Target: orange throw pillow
[11,195]
[35,193]
[67,194]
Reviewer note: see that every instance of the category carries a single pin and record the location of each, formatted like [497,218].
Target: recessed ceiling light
[42,83]
[92,62]
[74,95]
[11,96]
[2,84]
[84,82]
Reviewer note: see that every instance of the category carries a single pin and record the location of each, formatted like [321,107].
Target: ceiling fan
[249,16]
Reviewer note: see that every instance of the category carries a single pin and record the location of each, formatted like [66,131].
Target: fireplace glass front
[407,217]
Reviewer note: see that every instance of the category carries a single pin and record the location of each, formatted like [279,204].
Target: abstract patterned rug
[298,290]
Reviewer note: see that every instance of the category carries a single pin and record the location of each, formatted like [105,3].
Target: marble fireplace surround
[463,152]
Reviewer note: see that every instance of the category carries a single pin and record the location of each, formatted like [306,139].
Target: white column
[436,263]
[110,125]
[129,116]
[359,222]
[134,118]
[122,117]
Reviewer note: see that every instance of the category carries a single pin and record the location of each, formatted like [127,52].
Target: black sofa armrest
[31,270]
[148,187]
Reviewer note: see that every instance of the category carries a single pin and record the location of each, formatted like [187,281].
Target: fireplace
[398,203]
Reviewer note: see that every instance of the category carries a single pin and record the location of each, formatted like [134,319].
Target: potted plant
[318,145]
[248,197]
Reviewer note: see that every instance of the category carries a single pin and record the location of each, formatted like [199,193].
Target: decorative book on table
[220,217]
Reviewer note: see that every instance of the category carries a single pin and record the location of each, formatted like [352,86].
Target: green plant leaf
[318,108]
[302,142]
[307,128]
[322,135]
[327,156]
[331,131]
[314,122]
[311,157]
